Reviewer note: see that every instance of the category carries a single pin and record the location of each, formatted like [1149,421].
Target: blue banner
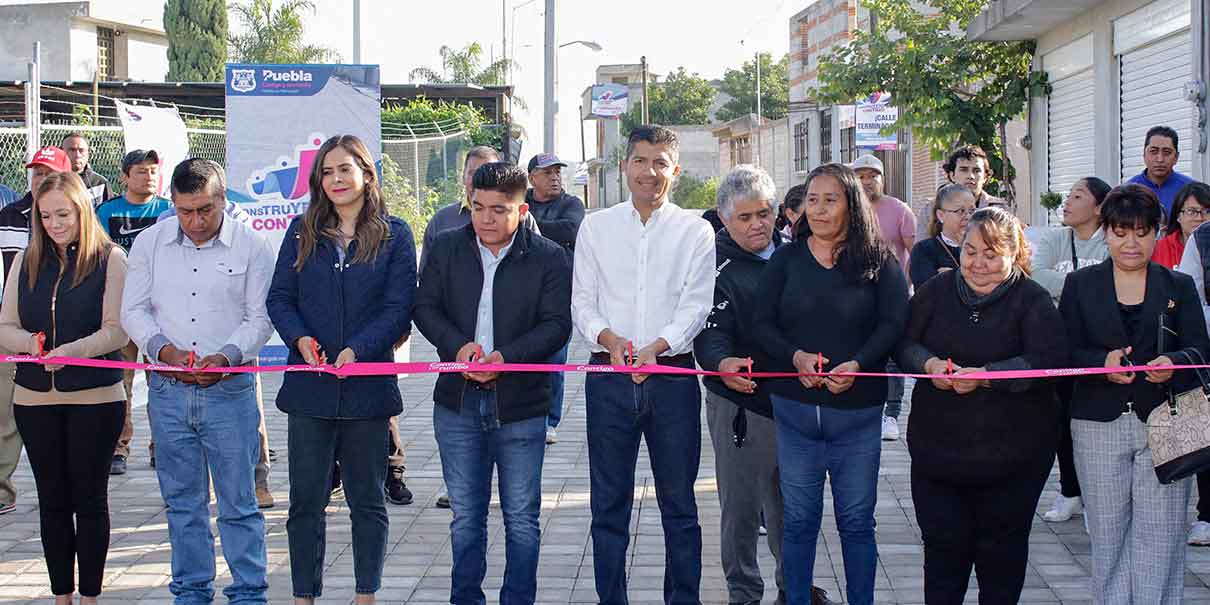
[278,116]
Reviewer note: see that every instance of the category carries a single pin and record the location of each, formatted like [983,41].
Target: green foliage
[420,113]
[197,40]
[400,197]
[1051,200]
[463,66]
[740,84]
[274,34]
[692,192]
[949,90]
[682,98]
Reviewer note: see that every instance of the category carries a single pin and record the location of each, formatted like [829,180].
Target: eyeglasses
[960,211]
[1195,212]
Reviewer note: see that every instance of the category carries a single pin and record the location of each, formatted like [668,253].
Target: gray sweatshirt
[1052,256]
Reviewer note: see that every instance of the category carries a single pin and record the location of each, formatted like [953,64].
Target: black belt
[684,360]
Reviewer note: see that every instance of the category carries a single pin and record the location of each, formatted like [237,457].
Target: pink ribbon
[443,367]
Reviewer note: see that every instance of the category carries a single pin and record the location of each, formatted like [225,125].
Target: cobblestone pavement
[418,561]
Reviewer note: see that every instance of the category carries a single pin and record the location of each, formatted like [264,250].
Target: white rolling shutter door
[1070,153]
[1152,81]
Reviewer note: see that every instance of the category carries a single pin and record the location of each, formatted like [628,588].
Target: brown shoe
[264,499]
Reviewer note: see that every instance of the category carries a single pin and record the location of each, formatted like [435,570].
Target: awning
[1024,19]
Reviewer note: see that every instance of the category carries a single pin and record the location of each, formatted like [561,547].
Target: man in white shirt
[644,281]
[195,297]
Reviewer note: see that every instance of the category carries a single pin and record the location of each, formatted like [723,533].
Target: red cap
[51,157]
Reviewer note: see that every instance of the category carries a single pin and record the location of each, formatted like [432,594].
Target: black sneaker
[272,455]
[118,465]
[396,491]
[819,596]
[443,501]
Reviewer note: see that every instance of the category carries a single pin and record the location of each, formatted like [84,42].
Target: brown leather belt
[187,378]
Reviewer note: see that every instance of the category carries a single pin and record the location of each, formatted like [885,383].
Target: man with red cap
[14,237]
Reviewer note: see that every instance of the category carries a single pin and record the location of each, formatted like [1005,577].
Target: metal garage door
[1070,154]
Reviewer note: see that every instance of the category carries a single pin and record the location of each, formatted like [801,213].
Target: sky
[704,36]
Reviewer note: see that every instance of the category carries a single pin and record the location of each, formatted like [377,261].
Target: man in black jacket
[559,215]
[76,147]
[493,293]
[739,414]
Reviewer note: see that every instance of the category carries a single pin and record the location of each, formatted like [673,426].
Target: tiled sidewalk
[418,564]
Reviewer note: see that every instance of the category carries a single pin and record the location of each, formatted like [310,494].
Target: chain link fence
[106,148]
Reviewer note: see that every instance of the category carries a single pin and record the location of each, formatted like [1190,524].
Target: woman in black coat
[344,286]
[981,450]
[1128,310]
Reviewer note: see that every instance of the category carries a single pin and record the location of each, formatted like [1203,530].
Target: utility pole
[356,32]
[551,102]
[583,155]
[504,39]
[33,104]
[758,111]
[643,63]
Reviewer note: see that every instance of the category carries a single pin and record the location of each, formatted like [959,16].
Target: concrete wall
[21,26]
[699,151]
[149,57]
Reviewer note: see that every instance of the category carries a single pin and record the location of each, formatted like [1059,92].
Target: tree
[692,192]
[949,90]
[682,98]
[197,40]
[740,85]
[274,34]
[463,67]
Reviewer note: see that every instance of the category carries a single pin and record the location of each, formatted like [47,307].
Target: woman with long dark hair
[64,297]
[790,211]
[835,300]
[344,285]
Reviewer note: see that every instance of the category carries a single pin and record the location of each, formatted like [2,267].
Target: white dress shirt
[208,298]
[484,326]
[643,281]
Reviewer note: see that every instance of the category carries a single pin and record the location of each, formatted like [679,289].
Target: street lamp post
[551,102]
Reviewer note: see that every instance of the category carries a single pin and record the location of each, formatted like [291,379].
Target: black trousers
[1203,496]
[981,526]
[1069,482]
[69,449]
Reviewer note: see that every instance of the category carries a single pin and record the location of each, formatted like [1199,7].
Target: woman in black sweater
[1113,311]
[835,300]
[940,253]
[981,450]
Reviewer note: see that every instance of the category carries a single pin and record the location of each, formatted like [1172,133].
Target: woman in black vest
[64,300]
[981,450]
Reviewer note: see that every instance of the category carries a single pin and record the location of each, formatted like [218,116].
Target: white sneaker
[551,436]
[1063,509]
[1200,534]
[890,429]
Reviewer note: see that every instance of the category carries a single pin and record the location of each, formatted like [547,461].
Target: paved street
[418,563]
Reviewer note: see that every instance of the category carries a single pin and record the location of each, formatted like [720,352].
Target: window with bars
[802,136]
[105,57]
[848,145]
[825,137]
[741,150]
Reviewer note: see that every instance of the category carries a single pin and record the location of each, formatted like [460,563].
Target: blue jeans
[203,433]
[471,442]
[813,443]
[556,389]
[360,445]
[894,395]
[665,411]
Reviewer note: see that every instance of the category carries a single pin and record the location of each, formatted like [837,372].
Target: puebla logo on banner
[278,116]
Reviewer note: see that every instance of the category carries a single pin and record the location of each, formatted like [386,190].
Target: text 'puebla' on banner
[873,114]
[278,116]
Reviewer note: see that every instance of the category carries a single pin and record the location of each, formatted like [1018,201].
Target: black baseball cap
[544,160]
[138,156]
